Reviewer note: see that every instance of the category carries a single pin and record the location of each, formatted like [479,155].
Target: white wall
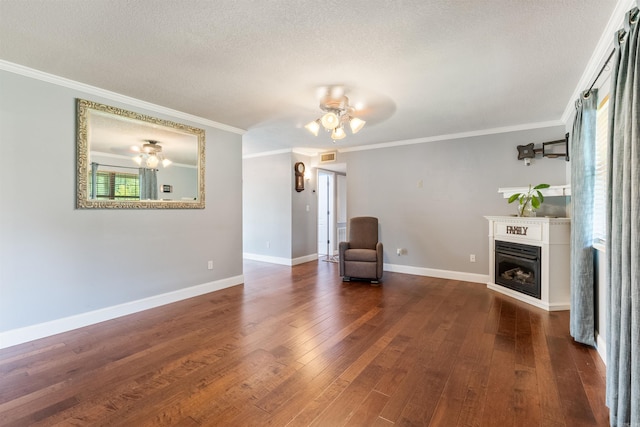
[57,261]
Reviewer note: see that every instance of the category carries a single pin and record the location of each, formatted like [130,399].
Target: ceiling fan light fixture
[313,127]
[330,120]
[337,114]
[356,124]
[338,133]
[152,161]
[150,154]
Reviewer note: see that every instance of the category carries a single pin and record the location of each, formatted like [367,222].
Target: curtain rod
[604,66]
[633,17]
[116,166]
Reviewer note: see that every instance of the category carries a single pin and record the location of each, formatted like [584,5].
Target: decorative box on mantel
[529,260]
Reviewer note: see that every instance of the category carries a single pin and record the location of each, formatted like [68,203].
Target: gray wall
[441,223]
[304,222]
[267,183]
[57,261]
[274,211]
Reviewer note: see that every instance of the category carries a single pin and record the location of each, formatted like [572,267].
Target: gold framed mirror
[128,160]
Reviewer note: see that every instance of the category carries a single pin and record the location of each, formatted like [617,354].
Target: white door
[326,215]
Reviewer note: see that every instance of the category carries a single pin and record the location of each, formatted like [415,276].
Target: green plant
[533,196]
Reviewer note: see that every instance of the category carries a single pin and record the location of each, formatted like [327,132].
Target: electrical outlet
[210,265]
[472,258]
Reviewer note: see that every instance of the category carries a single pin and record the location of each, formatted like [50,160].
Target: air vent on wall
[328,157]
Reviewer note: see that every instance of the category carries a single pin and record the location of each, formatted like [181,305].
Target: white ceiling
[422,68]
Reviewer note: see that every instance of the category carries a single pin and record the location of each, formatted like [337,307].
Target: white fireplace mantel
[552,235]
[554,190]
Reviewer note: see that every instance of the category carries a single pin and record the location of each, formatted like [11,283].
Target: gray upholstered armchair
[361,256]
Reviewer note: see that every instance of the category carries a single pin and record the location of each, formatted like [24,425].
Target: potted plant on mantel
[530,200]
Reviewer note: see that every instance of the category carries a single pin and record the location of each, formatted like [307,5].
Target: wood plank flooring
[294,346]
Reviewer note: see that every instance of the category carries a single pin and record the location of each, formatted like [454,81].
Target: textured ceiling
[422,68]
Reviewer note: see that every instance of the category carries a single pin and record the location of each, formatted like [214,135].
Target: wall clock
[299,174]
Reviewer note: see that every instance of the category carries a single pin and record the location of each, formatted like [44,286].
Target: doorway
[332,213]
[326,215]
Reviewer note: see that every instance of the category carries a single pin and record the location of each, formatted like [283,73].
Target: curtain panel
[623,231]
[148,184]
[583,149]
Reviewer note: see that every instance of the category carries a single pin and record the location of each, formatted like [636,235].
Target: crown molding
[267,153]
[310,152]
[492,131]
[600,54]
[71,84]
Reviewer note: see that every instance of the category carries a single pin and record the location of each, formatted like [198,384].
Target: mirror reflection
[130,160]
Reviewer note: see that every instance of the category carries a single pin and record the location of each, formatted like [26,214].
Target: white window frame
[601,168]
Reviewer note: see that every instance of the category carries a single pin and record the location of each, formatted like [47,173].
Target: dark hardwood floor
[296,346]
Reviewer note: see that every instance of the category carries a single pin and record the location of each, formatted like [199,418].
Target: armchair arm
[379,258]
[342,247]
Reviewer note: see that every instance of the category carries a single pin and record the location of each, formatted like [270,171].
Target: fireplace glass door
[518,267]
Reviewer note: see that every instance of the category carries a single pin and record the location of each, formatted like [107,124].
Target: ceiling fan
[151,154]
[338,114]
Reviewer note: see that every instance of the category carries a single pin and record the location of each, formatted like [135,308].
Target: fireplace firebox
[518,267]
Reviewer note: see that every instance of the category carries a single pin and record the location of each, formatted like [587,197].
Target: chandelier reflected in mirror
[150,154]
[338,115]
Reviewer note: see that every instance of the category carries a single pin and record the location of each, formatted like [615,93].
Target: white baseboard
[418,271]
[278,260]
[442,274]
[303,259]
[601,346]
[556,306]
[41,330]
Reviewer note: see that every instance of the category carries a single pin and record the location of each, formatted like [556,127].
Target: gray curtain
[623,231]
[148,184]
[583,149]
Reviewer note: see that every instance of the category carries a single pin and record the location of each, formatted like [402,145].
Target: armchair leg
[375,283]
[346,279]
